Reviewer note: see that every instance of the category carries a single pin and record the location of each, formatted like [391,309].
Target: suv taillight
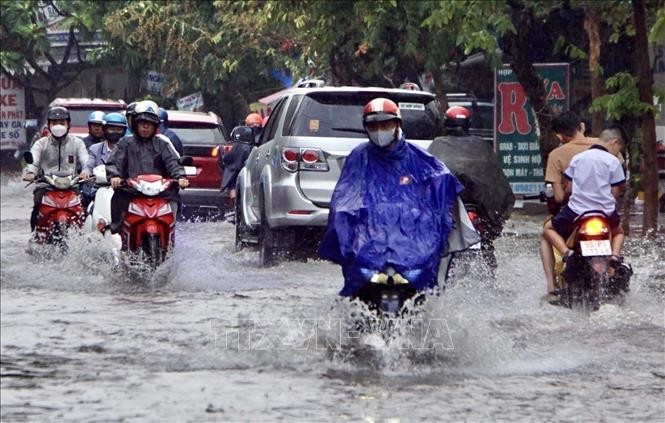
[45,132]
[311,159]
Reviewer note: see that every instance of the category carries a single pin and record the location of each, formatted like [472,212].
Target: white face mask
[382,137]
[59,131]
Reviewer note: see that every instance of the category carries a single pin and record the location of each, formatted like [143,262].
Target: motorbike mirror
[30,124]
[186,161]
[243,134]
[27,156]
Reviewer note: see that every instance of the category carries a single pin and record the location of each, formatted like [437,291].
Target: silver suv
[285,188]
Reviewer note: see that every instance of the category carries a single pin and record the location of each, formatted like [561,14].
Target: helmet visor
[380,117]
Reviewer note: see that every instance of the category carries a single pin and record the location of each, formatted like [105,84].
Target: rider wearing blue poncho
[392,206]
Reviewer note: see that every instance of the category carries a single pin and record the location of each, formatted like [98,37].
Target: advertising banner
[192,102]
[12,113]
[516,127]
[154,82]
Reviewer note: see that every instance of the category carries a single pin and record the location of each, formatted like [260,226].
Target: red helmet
[253,119]
[458,116]
[381,110]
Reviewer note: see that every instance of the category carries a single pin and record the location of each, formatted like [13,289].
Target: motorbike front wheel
[153,251]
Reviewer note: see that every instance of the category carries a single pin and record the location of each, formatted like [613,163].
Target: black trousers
[119,205]
[38,195]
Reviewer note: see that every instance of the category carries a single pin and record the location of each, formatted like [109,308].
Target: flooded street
[214,337]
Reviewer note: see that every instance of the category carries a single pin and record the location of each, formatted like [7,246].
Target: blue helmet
[115,119]
[96,117]
[163,115]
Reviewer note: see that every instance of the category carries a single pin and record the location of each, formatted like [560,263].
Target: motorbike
[588,277]
[98,214]
[386,291]
[233,157]
[60,208]
[488,233]
[148,230]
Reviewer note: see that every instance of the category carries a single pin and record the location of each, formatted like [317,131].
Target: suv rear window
[482,113]
[198,133]
[340,115]
[80,116]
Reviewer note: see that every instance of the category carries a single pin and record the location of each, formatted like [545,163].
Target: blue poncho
[390,208]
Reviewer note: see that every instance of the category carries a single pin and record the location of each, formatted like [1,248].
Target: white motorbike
[98,213]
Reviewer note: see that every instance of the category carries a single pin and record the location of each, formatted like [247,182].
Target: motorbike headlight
[134,209]
[62,182]
[48,201]
[164,209]
[74,201]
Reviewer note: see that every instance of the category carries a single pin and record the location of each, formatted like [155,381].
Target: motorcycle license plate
[190,170]
[596,248]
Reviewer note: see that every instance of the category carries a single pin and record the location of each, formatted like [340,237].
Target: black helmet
[130,109]
[58,113]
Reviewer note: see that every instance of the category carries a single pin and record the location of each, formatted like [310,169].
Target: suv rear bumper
[291,208]
[201,197]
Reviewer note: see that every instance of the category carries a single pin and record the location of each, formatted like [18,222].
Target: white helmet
[146,110]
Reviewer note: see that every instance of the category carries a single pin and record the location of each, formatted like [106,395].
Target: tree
[26,48]
[216,47]
[645,87]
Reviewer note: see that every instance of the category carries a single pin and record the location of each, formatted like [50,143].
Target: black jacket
[133,157]
[232,163]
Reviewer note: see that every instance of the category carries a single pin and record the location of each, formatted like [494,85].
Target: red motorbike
[148,231]
[59,210]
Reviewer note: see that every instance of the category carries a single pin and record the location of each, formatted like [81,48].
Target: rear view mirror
[243,134]
[27,156]
[186,161]
[30,124]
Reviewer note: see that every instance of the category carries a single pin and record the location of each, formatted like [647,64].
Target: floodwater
[214,338]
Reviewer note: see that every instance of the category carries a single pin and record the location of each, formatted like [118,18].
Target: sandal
[552,297]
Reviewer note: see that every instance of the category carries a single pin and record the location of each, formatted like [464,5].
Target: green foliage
[624,100]
[657,32]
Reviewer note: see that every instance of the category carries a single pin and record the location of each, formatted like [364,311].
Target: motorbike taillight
[594,226]
[473,216]
[476,220]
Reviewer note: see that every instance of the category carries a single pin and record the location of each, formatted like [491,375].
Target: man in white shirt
[596,180]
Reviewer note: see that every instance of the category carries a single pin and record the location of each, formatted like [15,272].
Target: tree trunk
[645,86]
[440,88]
[591,23]
[518,46]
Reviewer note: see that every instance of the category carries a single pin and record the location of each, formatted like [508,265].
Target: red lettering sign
[513,109]
[8,83]
[556,92]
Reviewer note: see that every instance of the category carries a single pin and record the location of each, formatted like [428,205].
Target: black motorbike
[385,292]
[589,277]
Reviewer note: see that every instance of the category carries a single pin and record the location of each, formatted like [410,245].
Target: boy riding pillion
[595,181]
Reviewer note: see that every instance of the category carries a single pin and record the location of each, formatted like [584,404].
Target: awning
[272,98]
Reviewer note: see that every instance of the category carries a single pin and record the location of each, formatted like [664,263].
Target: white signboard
[47,14]
[155,82]
[12,113]
[192,102]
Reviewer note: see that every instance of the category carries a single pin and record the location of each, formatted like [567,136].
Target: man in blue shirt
[169,133]
[95,131]
[114,127]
